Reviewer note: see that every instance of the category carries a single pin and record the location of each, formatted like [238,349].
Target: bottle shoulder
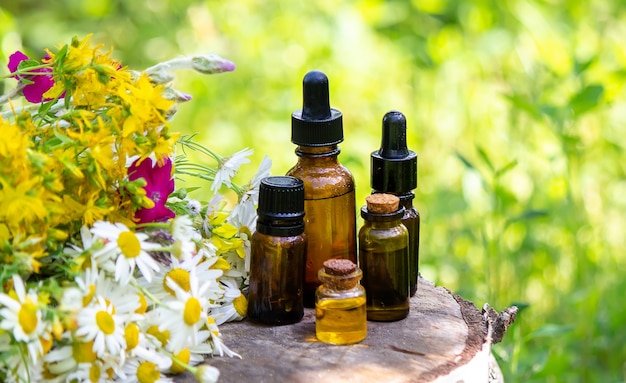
[260,239]
[375,233]
[323,181]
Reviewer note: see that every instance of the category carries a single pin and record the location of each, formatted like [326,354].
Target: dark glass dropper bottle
[278,253]
[329,198]
[394,171]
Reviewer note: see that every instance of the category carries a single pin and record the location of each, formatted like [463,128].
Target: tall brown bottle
[394,171]
[329,199]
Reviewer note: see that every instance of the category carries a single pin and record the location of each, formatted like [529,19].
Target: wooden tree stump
[444,339]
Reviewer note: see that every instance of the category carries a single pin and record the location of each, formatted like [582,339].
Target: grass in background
[516,109]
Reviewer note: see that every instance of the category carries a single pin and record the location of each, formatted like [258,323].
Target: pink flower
[40,83]
[159,185]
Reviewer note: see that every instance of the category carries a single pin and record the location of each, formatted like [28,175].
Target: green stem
[200,148]
[12,93]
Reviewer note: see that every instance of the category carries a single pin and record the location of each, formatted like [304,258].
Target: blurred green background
[516,109]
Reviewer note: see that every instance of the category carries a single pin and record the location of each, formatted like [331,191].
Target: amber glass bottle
[340,314]
[394,171]
[329,199]
[278,253]
[384,258]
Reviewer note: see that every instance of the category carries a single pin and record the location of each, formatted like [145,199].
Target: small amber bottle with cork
[330,203]
[340,315]
[278,253]
[384,258]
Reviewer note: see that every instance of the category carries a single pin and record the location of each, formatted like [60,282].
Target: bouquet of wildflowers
[109,272]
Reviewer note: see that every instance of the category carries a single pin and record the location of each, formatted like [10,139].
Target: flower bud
[209,64]
[160,74]
[176,95]
[207,374]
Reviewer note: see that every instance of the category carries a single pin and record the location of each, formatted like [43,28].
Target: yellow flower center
[178,360]
[94,373]
[129,244]
[45,371]
[212,326]
[162,336]
[143,304]
[180,276]
[83,352]
[147,372]
[87,298]
[105,322]
[27,317]
[192,312]
[241,305]
[46,344]
[131,335]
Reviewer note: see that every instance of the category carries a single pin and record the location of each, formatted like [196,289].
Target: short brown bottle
[384,258]
[278,253]
[329,197]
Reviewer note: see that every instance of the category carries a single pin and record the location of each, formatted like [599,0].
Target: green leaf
[44,109]
[485,158]
[522,103]
[63,138]
[24,65]
[465,161]
[587,99]
[582,66]
[506,168]
[553,112]
[528,215]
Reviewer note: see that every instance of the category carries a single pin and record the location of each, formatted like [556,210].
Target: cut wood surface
[444,339]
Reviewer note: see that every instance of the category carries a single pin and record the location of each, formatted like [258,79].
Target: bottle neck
[329,151]
[406,199]
[280,228]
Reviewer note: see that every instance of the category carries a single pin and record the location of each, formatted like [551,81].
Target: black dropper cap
[394,167]
[316,124]
[281,206]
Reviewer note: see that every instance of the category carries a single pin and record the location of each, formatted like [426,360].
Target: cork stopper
[340,274]
[382,203]
[339,267]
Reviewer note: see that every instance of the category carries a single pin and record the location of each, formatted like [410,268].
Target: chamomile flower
[92,250]
[131,250]
[182,228]
[188,312]
[228,167]
[95,372]
[179,272]
[137,370]
[17,368]
[251,190]
[94,284]
[233,306]
[184,236]
[219,348]
[60,362]
[100,323]
[22,316]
